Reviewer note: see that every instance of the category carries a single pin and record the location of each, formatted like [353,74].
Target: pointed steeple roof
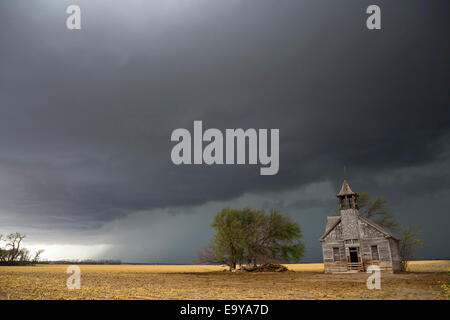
[345,190]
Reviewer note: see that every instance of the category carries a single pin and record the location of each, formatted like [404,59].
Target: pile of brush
[267,267]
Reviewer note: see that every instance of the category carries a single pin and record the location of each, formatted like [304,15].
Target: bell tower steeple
[347,198]
[348,207]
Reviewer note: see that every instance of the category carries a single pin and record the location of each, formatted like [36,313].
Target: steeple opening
[347,198]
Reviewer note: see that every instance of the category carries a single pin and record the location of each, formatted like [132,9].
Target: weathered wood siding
[366,231]
[349,222]
[384,260]
[328,257]
[353,231]
[335,234]
[395,253]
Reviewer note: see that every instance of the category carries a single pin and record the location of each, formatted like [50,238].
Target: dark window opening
[336,254]
[375,255]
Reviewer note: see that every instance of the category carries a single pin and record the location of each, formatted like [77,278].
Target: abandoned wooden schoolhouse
[352,242]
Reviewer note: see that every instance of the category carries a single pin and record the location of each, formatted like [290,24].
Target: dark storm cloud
[86,116]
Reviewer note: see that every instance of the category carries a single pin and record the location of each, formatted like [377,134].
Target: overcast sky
[87,115]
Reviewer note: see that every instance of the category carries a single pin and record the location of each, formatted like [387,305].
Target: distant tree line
[13,253]
[249,236]
[82,261]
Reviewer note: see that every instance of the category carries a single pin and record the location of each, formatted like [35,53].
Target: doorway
[354,256]
[354,259]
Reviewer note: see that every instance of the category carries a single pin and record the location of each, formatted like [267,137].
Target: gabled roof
[345,189]
[378,227]
[332,222]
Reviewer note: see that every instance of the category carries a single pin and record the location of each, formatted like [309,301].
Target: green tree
[377,211]
[229,240]
[252,236]
[281,238]
[254,225]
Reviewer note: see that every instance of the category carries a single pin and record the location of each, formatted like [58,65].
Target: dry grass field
[427,280]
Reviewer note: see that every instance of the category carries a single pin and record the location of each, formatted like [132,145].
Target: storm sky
[86,118]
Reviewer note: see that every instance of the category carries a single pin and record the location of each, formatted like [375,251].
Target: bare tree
[3,252]
[14,253]
[409,241]
[207,255]
[37,256]
[13,242]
